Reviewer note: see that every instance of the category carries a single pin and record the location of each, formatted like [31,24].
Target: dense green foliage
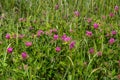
[38,21]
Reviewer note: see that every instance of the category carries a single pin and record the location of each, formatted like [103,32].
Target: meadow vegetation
[59,39]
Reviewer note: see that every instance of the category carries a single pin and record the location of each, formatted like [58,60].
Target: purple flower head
[48,33]
[107,35]
[88,33]
[91,50]
[24,55]
[99,53]
[53,30]
[10,50]
[66,38]
[22,19]
[72,44]
[96,25]
[89,20]
[7,36]
[76,13]
[111,41]
[28,44]
[58,49]
[111,14]
[114,32]
[56,7]
[21,36]
[55,37]
[103,17]
[116,8]
[31,28]
[39,33]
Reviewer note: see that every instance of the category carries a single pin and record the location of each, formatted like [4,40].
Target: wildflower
[66,38]
[72,44]
[21,36]
[88,33]
[99,53]
[55,37]
[10,50]
[103,17]
[116,8]
[107,35]
[89,20]
[7,36]
[111,41]
[53,30]
[24,55]
[28,44]
[56,7]
[91,50]
[22,19]
[96,25]
[58,49]
[111,14]
[114,32]
[39,33]
[76,13]
[31,28]
[48,33]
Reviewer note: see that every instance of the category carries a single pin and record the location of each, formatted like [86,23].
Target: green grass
[43,62]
